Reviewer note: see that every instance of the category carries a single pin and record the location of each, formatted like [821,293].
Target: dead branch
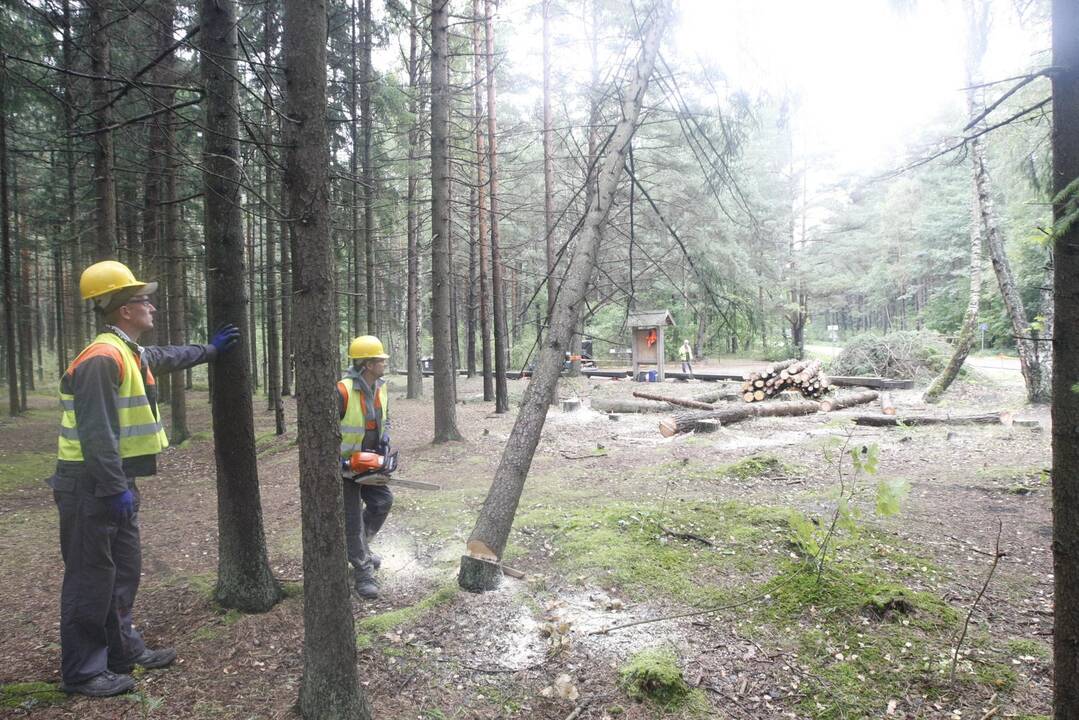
[997,555]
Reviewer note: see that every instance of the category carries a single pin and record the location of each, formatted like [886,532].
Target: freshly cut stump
[478,575]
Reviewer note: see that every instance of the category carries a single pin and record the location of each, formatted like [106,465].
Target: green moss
[653,675]
[757,466]
[618,543]
[24,469]
[1030,648]
[199,437]
[997,676]
[371,627]
[28,695]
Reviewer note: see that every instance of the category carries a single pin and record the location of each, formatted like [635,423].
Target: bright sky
[869,73]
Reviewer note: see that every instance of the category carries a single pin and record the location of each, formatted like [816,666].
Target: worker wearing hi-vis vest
[111,433]
[363,405]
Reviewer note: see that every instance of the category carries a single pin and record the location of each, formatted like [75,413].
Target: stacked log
[805,376]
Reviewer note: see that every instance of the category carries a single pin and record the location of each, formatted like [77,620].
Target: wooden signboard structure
[647,330]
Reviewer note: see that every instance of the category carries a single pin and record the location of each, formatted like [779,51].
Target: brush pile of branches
[905,355]
[805,376]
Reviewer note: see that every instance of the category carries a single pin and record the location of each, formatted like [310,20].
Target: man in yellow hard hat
[111,433]
[363,405]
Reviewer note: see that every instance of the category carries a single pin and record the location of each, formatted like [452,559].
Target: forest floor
[617,525]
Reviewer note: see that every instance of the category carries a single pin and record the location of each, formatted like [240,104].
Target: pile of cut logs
[805,376]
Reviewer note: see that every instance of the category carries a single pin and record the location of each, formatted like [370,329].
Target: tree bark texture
[273,344]
[74,242]
[104,176]
[244,578]
[368,170]
[415,377]
[496,516]
[548,159]
[445,380]
[10,346]
[712,420]
[330,687]
[1065,410]
[176,280]
[479,21]
[498,299]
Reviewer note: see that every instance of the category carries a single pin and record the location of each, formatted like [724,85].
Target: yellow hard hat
[366,347]
[109,276]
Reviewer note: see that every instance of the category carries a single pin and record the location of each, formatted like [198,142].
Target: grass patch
[371,627]
[653,676]
[29,695]
[23,469]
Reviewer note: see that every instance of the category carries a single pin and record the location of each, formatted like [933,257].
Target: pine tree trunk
[273,345]
[330,687]
[10,348]
[286,296]
[368,170]
[104,178]
[1065,408]
[177,290]
[498,300]
[415,377]
[445,377]
[244,579]
[548,160]
[478,54]
[488,539]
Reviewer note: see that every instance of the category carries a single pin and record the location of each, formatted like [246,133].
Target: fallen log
[886,405]
[1001,418]
[712,420]
[731,393]
[630,406]
[846,401]
[695,404]
[870,382]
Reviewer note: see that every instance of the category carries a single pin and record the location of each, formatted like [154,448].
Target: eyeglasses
[140,301]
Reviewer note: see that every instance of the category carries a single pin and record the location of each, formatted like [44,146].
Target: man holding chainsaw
[363,405]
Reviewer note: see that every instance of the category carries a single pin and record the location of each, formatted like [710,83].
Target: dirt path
[605,534]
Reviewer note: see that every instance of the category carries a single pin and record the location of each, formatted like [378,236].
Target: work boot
[104,684]
[366,586]
[149,659]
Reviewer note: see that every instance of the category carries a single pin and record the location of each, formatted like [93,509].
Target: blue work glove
[121,506]
[225,338]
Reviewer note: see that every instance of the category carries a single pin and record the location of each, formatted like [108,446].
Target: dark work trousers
[366,509]
[102,565]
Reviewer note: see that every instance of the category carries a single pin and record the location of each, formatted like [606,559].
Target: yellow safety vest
[141,432]
[355,423]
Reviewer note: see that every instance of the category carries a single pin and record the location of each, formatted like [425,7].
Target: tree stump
[478,575]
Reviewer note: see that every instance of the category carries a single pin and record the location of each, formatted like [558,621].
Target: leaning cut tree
[480,568]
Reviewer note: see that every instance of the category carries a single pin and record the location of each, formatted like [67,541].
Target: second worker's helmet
[366,347]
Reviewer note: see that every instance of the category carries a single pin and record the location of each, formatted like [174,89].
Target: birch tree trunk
[479,570]
[445,378]
[976,39]
[1065,408]
[244,578]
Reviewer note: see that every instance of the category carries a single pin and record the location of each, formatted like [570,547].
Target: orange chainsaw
[367,462]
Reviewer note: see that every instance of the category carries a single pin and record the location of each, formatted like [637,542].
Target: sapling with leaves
[854,464]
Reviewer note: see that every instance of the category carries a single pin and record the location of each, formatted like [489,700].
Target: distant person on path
[363,407]
[685,353]
[111,433]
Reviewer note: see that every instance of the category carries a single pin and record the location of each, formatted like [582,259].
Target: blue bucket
[651,376]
